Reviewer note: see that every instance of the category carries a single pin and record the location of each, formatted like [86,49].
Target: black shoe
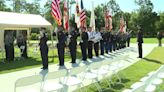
[73,62]
[44,68]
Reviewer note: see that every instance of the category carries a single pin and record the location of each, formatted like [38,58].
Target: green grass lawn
[34,60]
[134,73]
[146,40]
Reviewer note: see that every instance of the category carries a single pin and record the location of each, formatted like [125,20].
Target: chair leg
[98,87]
[118,77]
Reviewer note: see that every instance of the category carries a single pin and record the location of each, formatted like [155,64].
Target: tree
[146,18]
[160,22]
[3,7]
[99,13]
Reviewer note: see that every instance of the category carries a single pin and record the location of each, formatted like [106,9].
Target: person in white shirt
[90,42]
[96,41]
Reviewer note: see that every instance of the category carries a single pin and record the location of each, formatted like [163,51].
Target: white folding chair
[114,66]
[73,79]
[95,66]
[53,81]
[138,89]
[29,84]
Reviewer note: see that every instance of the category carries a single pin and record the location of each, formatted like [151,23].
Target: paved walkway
[7,81]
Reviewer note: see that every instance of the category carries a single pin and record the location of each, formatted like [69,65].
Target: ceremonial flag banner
[65,15]
[77,15]
[110,21]
[125,27]
[92,20]
[82,15]
[106,18]
[121,24]
[56,12]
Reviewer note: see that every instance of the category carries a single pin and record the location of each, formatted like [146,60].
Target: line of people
[103,41]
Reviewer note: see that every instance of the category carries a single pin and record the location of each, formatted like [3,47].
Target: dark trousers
[106,47]
[73,49]
[140,49]
[61,53]
[110,46]
[44,56]
[9,49]
[96,48]
[90,46]
[84,51]
[102,47]
[114,46]
[160,43]
[128,42]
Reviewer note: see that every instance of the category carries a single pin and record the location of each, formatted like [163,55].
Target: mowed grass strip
[133,73]
[147,40]
[33,61]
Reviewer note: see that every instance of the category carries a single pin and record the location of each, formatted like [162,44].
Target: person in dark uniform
[106,41]
[61,45]
[84,43]
[159,37]
[90,42]
[9,45]
[128,38]
[114,42]
[102,41]
[140,41]
[44,48]
[110,41]
[73,43]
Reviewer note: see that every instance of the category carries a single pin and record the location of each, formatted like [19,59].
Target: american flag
[82,15]
[65,16]
[56,12]
[106,18]
[110,21]
[122,24]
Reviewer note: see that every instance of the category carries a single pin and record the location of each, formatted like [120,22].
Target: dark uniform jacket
[140,37]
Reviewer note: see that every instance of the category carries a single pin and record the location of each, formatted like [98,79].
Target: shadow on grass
[123,80]
[152,60]
[19,64]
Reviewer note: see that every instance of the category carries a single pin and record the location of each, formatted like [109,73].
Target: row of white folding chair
[57,74]
[146,83]
[96,69]
[155,81]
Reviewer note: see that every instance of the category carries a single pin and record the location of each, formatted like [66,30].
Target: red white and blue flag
[56,12]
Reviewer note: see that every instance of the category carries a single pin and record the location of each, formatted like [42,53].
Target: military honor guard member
[140,41]
[74,33]
[128,38]
[44,48]
[102,41]
[61,36]
[84,43]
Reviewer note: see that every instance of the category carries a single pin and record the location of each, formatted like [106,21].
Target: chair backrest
[28,81]
[95,65]
[152,77]
[106,62]
[77,70]
[161,69]
[140,88]
[57,74]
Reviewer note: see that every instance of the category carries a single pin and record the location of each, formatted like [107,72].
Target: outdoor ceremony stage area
[89,75]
